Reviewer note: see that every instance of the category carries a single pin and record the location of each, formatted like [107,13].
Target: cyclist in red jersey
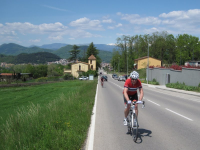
[102,79]
[130,93]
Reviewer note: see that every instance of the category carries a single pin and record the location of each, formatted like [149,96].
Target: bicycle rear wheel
[135,128]
[129,124]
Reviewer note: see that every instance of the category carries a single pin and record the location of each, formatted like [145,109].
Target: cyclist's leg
[127,107]
[135,97]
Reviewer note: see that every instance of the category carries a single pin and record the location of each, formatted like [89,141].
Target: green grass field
[48,116]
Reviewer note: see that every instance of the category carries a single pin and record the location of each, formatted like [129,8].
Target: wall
[75,69]
[189,76]
[93,63]
[152,62]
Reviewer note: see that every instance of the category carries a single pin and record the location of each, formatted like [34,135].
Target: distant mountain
[15,49]
[105,51]
[34,58]
[54,46]
[64,52]
[105,47]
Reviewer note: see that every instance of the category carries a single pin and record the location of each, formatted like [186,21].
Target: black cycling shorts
[131,97]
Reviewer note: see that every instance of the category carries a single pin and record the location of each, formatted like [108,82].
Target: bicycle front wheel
[134,127]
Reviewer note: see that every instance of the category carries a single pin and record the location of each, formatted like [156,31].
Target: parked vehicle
[126,76]
[121,78]
[114,75]
[105,78]
[83,78]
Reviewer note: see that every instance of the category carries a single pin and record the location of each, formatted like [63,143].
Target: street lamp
[127,64]
[118,65]
[148,62]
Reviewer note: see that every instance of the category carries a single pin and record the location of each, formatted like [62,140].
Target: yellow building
[143,61]
[79,67]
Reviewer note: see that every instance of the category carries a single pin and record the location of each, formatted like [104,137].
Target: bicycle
[132,120]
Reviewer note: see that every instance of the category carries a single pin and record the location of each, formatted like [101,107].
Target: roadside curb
[163,87]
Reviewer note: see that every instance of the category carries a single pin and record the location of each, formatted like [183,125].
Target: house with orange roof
[78,67]
[143,62]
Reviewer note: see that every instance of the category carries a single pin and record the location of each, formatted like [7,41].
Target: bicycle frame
[132,117]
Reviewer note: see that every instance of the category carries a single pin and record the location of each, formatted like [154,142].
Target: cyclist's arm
[141,94]
[125,93]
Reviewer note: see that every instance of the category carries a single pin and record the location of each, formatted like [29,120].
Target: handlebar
[139,102]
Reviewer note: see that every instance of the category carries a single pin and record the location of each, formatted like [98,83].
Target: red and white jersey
[132,89]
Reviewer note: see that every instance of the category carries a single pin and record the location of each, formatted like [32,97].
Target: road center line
[153,102]
[179,114]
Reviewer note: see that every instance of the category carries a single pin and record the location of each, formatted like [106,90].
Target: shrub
[67,77]
[42,79]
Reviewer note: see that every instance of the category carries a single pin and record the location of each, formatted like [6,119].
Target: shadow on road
[142,133]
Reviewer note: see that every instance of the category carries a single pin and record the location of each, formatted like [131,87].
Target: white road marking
[159,105]
[153,102]
[179,114]
[117,85]
[90,141]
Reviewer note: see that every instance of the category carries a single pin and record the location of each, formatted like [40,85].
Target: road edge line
[90,141]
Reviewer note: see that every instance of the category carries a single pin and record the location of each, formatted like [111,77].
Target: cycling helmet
[134,75]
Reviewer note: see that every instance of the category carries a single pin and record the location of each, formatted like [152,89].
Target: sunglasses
[134,79]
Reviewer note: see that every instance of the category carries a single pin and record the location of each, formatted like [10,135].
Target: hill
[54,46]
[15,49]
[34,58]
[63,52]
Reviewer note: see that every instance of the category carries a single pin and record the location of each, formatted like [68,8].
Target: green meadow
[49,116]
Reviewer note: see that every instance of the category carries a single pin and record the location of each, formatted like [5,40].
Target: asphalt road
[170,120]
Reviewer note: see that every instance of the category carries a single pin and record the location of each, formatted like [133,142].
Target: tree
[74,53]
[55,70]
[93,51]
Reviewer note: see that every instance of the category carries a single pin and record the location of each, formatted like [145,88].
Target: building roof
[6,74]
[92,57]
[81,63]
[145,58]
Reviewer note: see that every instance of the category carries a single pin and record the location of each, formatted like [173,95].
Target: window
[79,67]
[90,61]
[92,67]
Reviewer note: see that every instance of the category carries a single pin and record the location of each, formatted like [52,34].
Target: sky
[39,22]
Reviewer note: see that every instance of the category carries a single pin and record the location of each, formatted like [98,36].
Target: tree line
[44,70]
[161,45]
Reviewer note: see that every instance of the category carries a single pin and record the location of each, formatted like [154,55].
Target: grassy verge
[50,116]
[182,86]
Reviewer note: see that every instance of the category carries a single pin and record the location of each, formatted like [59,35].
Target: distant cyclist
[102,79]
[130,93]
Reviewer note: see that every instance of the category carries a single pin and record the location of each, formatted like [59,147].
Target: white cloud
[115,26]
[85,23]
[54,31]
[111,27]
[108,21]
[112,44]
[119,25]
[35,41]
[55,8]
[28,28]
[181,14]
[137,19]
[182,21]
